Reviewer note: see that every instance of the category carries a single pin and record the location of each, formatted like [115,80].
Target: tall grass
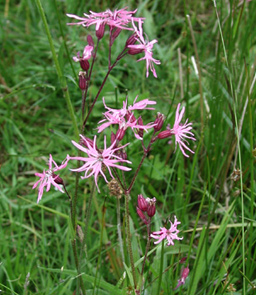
[216,210]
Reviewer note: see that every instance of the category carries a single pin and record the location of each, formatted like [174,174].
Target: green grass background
[217,214]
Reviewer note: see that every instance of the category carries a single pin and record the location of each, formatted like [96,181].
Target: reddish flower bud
[142,203]
[114,35]
[90,40]
[100,32]
[57,179]
[164,134]
[130,117]
[134,51]
[113,137]
[131,40]
[84,64]
[159,121]
[123,154]
[140,131]
[87,142]
[120,133]
[82,80]
[151,210]
[141,215]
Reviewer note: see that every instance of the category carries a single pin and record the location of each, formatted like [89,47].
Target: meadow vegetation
[208,60]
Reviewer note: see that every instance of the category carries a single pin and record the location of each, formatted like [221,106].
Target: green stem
[87,215]
[61,77]
[72,210]
[128,235]
[161,269]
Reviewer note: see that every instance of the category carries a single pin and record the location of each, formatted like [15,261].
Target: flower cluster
[117,21]
[146,205]
[125,118]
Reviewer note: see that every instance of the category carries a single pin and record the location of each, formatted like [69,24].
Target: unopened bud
[142,203]
[130,117]
[164,134]
[82,80]
[57,179]
[86,142]
[141,215]
[131,40]
[90,40]
[151,210]
[134,51]
[159,121]
[113,137]
[114,35]
[100,32]
[84,64]
[123,154]
[140,130]
[120,133]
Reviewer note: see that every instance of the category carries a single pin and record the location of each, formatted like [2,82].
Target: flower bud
[82,80]
[120,133]
[131,40]
[113,137]
[130,117]
[114,35]
[57,179]
[88,142]
[164,134]
[140,130]
[151,210]
[159,121]
[123,154]
[142,203]
[90,40]
[141,215]
[100,32]
[134,51]
[84,64]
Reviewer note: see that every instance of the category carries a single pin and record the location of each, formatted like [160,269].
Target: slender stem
[119,229]
[88,211]
[146,151]
[88,78]
[74,248]
[121,55]
[128,235]
[161,269]
[83,101]
[147,247]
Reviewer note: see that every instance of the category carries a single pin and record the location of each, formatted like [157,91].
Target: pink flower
[125,118]
[87,53]
[181,131]
[184,274]
[145,47]
[48,178]
[169,234]
[117,18]
[97,159]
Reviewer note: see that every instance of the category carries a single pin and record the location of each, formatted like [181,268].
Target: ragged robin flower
[170,234]
[48,178]
[97,159]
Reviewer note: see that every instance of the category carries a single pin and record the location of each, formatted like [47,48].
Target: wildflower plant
[107,160]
